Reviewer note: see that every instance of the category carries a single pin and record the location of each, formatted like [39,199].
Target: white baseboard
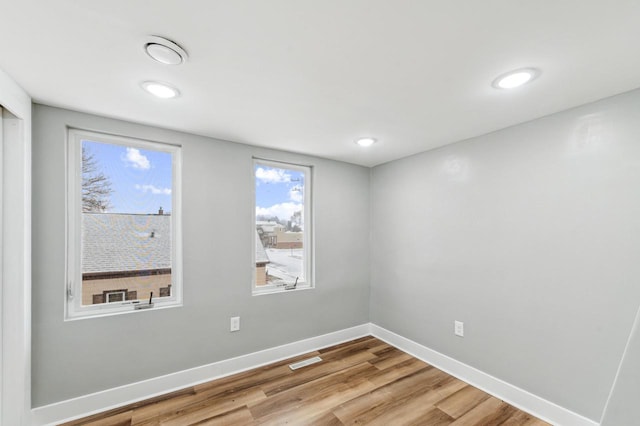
[116,397]
[532,404]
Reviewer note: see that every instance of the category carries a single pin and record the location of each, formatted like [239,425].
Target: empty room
[320,212]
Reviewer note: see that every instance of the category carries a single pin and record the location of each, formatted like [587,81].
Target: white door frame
[1,269]
[15,320]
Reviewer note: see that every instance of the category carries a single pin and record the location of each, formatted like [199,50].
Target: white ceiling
[312,76]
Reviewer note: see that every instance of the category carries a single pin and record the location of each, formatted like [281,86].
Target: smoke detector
[164,51]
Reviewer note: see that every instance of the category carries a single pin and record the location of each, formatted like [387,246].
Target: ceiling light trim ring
[528,73]
[160,89]
[365,141]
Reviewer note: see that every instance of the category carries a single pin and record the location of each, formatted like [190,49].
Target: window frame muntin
[308,232]
[73,308]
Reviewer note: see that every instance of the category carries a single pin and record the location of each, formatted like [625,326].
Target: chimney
[160,211]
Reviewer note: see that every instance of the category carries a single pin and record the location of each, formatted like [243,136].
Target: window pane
[280,227]
[126,223]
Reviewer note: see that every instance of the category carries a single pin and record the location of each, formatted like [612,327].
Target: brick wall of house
[143,286]
[261,274]
[287,240]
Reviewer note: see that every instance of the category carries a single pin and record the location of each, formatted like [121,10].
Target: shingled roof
[261,254]
[117,242]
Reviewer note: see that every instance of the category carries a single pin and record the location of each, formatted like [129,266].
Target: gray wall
[623,405]
[530,236]
[79,357]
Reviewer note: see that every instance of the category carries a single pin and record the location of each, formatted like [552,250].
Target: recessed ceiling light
[365,141]
[164,51]
[160,90]
[516,78]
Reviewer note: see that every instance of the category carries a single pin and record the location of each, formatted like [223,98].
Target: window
[123,212]
[116,296]
[282,259]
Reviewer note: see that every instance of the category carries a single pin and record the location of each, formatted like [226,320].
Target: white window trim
[308,235]
[73,282]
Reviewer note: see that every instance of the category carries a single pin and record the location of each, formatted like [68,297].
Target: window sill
[126,309]
[279,290]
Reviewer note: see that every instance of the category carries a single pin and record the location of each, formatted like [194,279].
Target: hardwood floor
[365,381]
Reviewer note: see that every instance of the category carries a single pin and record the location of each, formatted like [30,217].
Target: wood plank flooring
[364,381]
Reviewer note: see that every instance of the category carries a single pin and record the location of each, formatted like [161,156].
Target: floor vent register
[304,363]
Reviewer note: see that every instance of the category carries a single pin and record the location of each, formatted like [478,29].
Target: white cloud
[154,190]
[272,175]
[295,194]
[282,210]
[136,160]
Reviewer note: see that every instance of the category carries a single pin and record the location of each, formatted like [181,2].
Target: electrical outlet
[458,328]
[235,324]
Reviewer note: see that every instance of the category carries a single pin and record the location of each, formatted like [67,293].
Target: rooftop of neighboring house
[115,242]
[261,254]
[269,226]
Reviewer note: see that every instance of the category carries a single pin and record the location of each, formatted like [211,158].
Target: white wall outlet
[458,328]
[235,324]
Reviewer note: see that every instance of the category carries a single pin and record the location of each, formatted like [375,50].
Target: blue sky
[141,179]
[279,192]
